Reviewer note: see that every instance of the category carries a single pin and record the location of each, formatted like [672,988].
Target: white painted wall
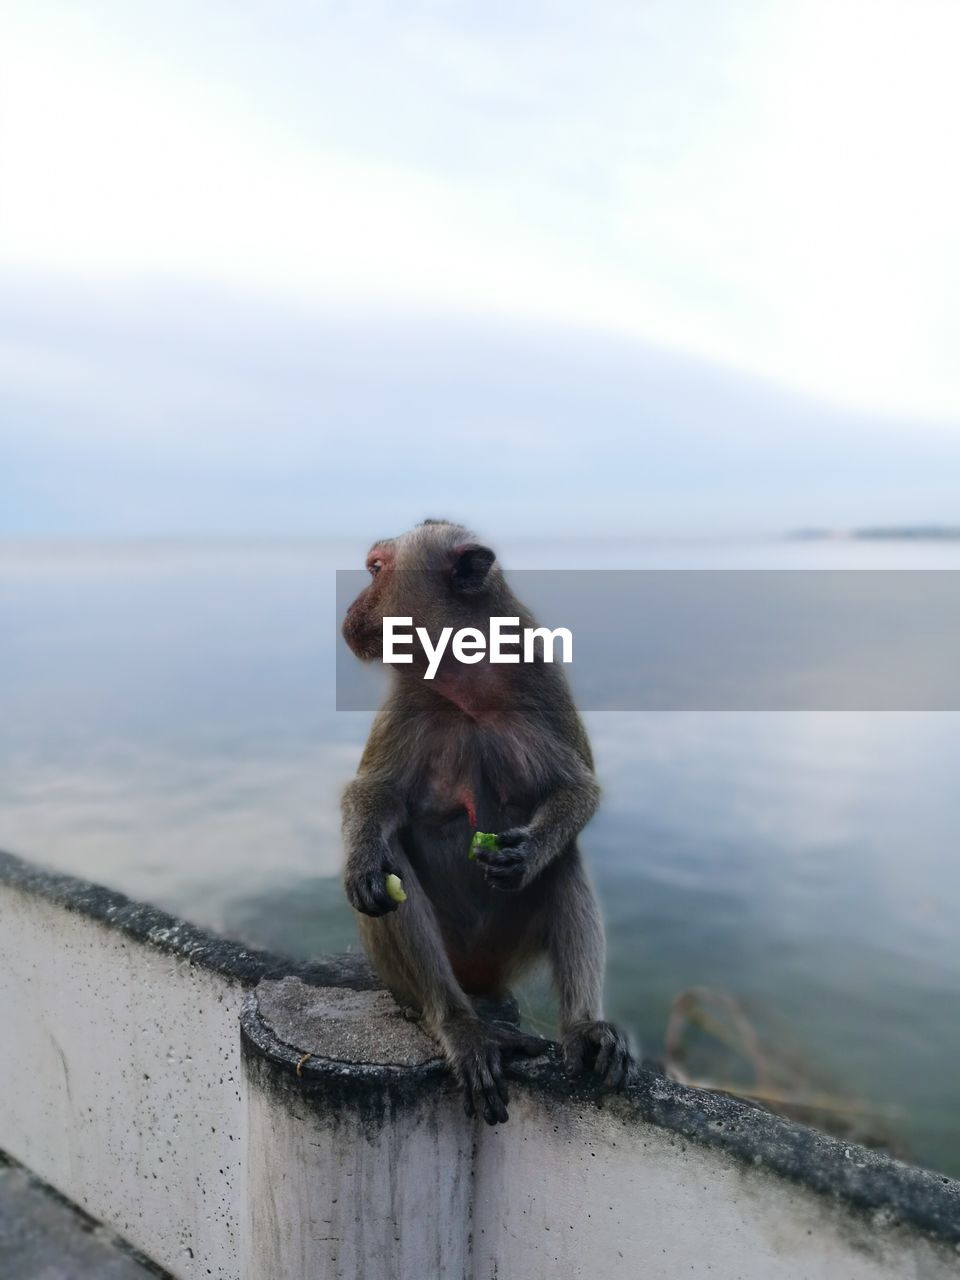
[565,1195]
[556,1194]
[120,1082]
[564,1190]
[332,1195]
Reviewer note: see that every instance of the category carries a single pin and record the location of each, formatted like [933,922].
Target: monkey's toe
[614,1065]
[486,1087]
[602,1048]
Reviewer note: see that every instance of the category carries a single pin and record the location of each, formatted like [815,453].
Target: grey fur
[507,739]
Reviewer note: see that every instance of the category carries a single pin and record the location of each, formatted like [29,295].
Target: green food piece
[395,888]
[482,840]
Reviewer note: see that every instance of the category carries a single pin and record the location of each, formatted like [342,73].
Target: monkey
[491,747]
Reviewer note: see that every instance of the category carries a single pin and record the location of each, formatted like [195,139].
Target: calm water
[168,729]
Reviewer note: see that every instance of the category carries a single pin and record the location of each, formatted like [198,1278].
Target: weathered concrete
[121,1082]
[378,1192]
[43,1237]
[119,1061]
[365,1168]
[360,1028]
[325,1138]
[563,1190]
[119,1057]
[163,932]
[360,1153]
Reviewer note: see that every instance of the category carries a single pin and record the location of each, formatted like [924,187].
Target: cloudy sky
[638,267]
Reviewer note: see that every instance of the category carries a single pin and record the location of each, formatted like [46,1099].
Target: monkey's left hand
[509,866]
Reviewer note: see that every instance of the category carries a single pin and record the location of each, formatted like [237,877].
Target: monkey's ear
[471,564]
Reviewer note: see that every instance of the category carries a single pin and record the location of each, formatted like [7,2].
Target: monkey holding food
[490,746]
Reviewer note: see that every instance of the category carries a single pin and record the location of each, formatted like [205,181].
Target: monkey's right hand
[365,881]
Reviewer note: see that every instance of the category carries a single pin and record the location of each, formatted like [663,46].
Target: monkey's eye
[375,566]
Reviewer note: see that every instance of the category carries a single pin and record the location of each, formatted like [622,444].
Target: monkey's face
[363,625]
[435,575]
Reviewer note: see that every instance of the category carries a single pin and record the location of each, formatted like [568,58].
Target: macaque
[495,748]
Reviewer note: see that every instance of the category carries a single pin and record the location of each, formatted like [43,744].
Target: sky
[619,267]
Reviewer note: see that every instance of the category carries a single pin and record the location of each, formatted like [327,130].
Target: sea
[781,888]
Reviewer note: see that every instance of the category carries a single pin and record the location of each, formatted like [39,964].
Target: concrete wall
[120,1080]
[371,1170]
[598,1195]
[332,1194]
[120,1072]
[235,1115]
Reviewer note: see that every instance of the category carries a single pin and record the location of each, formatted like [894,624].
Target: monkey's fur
[491,747]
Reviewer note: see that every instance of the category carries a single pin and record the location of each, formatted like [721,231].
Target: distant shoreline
[881,533]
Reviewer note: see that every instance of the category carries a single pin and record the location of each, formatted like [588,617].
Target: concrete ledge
[120,1062]
[163,932]
[285,1030]
[359,1081]
[322,1136]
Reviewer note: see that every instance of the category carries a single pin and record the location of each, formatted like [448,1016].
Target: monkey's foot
[475,1051]
[602,1048]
